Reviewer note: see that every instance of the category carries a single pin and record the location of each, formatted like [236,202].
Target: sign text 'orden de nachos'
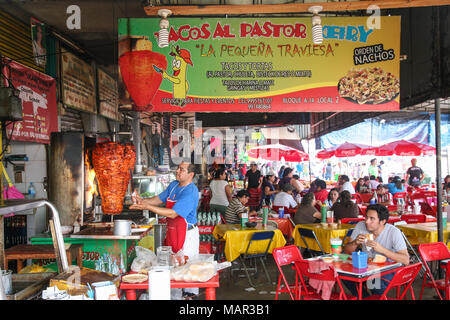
[271,64]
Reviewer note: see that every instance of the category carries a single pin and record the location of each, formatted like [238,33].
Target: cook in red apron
[176,227]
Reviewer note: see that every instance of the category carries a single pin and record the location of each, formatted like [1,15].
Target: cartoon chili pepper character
[182,58]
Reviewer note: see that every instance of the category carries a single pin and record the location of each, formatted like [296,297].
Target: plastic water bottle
[374,198]
[31,191]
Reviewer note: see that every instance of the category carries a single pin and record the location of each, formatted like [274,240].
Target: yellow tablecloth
[418,233]
[324,234]
[237,239]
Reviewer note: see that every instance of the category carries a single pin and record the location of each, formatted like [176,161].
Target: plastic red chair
[350,220]
[330,274]
[285,256]
[433,252]
[403,277]
[414,218]
[365,197]
[357,197]
[399,195]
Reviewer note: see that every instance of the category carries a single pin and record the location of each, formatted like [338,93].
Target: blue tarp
[445,130]
[384,129]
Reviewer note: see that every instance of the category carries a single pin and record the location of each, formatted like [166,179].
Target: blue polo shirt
[186,200]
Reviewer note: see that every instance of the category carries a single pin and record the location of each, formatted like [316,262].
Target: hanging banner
[38,94]
[264,65]
[39,42]
[78,79]
[107,93]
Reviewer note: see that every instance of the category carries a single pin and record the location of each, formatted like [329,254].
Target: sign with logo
[272,65]
[78,79]
[38,94]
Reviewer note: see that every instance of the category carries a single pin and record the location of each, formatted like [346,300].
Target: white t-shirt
[219,195]
[284,199]
[348,186]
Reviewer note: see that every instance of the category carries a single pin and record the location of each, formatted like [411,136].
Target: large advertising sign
[262,65]
[38,94]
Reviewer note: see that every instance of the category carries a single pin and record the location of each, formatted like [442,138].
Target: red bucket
[139,76]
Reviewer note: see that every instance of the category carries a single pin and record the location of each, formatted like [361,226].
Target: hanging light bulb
[317,34]
[163,35]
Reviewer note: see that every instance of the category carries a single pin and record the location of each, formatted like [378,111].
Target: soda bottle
[323,212]
[265,215]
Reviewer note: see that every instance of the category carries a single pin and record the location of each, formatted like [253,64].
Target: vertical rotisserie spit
[112,164]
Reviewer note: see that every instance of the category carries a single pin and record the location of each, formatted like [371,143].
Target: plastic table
[323,233]
[284,225]
[210,287]
[237,239]
[418,233]
[346,271]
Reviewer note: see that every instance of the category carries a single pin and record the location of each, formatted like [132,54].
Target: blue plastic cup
[359,260]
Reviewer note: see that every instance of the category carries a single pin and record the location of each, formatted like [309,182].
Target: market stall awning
[275,152]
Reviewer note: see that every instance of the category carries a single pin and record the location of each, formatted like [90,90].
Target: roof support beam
[216,10]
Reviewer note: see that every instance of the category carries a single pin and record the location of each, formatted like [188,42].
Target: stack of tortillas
[135,278]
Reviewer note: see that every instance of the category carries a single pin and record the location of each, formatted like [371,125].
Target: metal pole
[437,105]
[136,131]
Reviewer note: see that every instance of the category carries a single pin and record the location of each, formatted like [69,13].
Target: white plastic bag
[144,260]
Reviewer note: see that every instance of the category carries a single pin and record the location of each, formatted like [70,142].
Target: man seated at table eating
[387,241]
[237,207]
[285,198]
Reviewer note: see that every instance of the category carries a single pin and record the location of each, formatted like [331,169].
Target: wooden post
[55,245]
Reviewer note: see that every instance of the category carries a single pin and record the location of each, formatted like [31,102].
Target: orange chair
[433,252]
[403,277]
[414,218]
[305,292]
[287,256]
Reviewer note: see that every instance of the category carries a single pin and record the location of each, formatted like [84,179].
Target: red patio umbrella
[405,148]
[275,152]
[346,149]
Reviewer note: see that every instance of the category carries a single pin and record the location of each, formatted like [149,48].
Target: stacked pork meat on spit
[113,164]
